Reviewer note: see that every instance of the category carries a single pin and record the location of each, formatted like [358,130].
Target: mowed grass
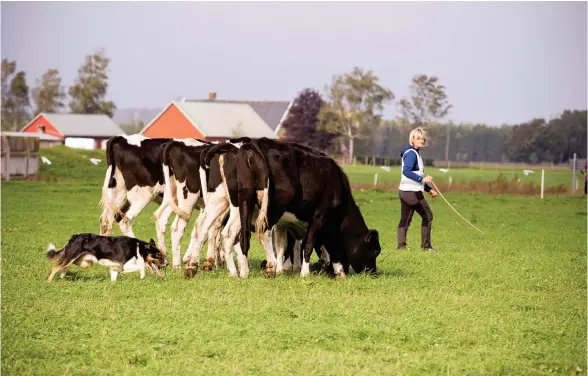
[511,301]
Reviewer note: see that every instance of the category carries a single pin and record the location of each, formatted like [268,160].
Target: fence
[19,156]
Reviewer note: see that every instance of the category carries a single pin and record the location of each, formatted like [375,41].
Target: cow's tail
[170,185]
[203,184]
[261,224]
[109,179]
[52,254]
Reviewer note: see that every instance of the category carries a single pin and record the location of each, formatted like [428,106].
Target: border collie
[117,253]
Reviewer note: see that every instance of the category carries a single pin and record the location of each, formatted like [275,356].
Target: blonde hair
[420,131]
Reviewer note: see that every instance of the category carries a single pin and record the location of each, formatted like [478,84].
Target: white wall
[80,143]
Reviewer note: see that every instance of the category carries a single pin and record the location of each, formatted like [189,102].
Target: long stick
[434,185]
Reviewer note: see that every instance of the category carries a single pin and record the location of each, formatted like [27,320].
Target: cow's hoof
[340,276]
[190,271]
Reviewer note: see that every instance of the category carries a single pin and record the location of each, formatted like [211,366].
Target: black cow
[308,182]
[309,188]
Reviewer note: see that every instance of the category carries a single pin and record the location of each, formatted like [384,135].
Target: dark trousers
[409,203]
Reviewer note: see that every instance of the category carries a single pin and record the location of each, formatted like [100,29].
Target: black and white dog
[117,253]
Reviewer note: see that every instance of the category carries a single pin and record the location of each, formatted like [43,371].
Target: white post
[574,174]
[542,182]
[375,179]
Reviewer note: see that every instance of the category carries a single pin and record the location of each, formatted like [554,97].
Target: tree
[88,92]
[133,127]
[49,95]
[15,97]
[356,102]
[8,69]
[301,125]
[428,102]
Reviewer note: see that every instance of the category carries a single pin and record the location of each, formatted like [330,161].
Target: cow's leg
[186,203]
[113,199]
[138,198]
[215,243]
[279,244]
[216,205]
[309,240]
[161,217]
[229,237]
[270,253]
[297,255]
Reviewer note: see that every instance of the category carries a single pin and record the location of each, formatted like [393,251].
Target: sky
[501,62]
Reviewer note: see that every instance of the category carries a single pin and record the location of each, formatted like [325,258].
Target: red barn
[214,120]
[87,131]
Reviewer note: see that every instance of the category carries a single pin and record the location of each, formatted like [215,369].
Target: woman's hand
[428,179]
[433,193]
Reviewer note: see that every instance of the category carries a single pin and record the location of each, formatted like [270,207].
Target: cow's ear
[151,242]
[372,236]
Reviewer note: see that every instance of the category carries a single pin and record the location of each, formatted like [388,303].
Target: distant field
[509,302]
[365,174]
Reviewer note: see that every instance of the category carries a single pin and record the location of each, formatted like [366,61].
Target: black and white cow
[181,166]
[134,177]
[304,187]
[306,179]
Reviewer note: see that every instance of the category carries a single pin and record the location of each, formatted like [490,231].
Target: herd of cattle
[296,199]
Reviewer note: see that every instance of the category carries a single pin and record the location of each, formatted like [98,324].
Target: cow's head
[364,253]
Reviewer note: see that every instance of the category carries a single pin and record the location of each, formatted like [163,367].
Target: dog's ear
[152,243]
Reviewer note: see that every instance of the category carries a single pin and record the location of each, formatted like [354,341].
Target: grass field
[509,302]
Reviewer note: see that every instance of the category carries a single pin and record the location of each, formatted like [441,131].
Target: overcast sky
[501,62]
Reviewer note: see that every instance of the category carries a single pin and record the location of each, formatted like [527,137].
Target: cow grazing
[308,188]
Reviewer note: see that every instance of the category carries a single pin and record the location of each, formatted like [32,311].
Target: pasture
[511,301]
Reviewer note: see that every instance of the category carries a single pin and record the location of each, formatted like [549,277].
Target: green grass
[511,301]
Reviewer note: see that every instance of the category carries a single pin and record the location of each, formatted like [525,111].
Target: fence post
[7,159]
[28,143]
[542,181]
[574,175]
[375,179]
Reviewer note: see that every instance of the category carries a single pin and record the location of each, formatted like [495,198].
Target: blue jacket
[411,164]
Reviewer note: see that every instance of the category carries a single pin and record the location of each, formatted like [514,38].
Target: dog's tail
[52,254]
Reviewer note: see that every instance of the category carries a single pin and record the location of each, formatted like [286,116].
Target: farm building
[218,120]
[84,131]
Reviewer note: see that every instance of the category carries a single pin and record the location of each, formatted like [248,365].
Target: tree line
[348,123]
[21,103]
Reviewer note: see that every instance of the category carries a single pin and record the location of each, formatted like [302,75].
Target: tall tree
[48,94]
[428,102]
[301,125]
[356,102]
[15,102]
[8,69]
[89,91]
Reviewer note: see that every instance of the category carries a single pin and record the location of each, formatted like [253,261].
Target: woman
[412,183]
